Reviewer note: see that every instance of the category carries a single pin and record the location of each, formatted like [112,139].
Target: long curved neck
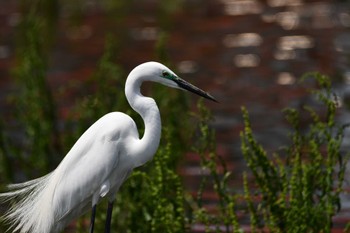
[148,109]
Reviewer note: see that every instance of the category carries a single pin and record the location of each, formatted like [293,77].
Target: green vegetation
[294,189]
[300,184]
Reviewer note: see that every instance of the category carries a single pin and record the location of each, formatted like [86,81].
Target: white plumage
[97,164]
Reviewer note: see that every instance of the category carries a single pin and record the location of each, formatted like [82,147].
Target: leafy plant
[299,186]
[216,177]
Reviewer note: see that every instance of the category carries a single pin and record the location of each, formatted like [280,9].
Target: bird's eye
[166,74]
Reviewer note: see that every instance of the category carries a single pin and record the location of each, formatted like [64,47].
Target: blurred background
[244,52]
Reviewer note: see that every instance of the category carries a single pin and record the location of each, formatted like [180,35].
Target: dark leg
[109,217]
[92,221]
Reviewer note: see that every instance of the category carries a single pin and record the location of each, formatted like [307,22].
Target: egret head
[157,72]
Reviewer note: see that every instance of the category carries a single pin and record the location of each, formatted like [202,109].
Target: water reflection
[284,54]
[242,7]
[145,33]
[242,40]
[295,42]
[285,78]
[288,20]
[246,60]
[279,3]
[187,67]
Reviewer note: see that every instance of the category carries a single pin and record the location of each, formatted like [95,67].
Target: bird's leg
[92,221]
[109,217]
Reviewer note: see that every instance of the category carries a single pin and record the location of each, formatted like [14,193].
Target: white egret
[97,164]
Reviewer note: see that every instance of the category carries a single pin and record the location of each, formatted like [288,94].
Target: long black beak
[189,87]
